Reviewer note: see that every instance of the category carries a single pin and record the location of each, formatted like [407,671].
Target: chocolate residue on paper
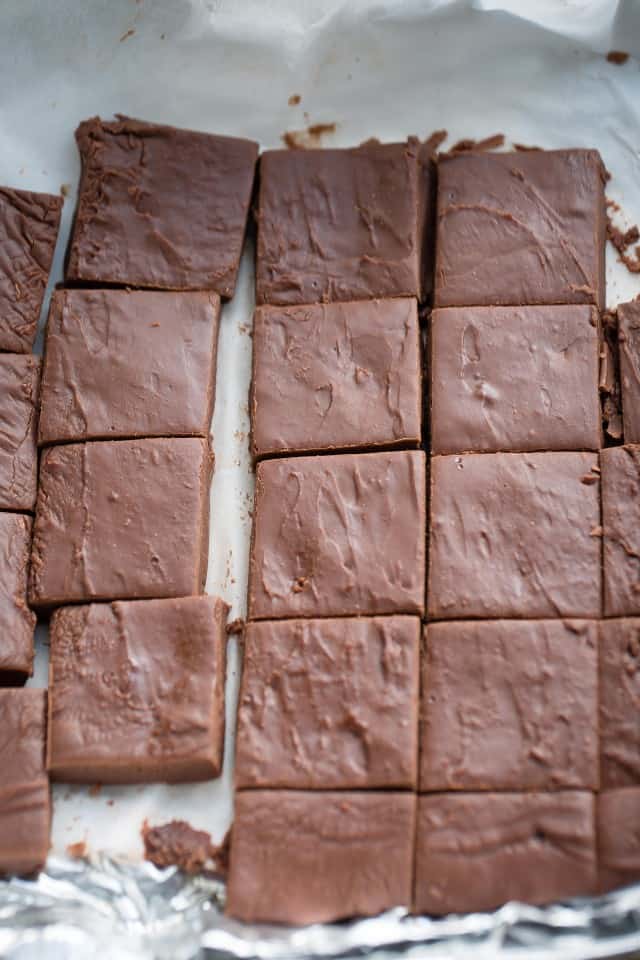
[294,99]
[236,626]
[617,56]
[178,844]
[309,138]
[622,240]
[468,145]
[129,33]
[77,850]
[524,148]
[94,791]
[610,394]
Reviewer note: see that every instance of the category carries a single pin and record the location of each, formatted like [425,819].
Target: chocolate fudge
[160,207]
[618,816]
[121,519]
[629,347]
[515,379]
[17,622]
[332,376]
[621,525]
[19,388]
[329,704]
[516,228]
[338,536]
[25,812]
[509,705]
[29,224]
[299,857]
[620,703]
[476,851]
[136,691]
[122,363]
[514,535]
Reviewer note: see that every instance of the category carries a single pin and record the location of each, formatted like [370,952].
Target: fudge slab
[515,379]
[332,376]
[338,536]
[621,526]
[329,704]
[25,811]
[160,207]
[19,389]
[515,228]
[136,691]
[629,350]
[17,622]
[514,535]
[29,224]
[300,857]
[620,703]
[476,851]
[509,705]
[618,816]
[122,363]
[121,520]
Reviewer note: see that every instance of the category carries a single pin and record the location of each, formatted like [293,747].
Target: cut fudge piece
[121,519]
[19,386]
[476,851]
[620,703]
[509,705]
[331,376]
[339,224]
[127,364]
[621,526]
[515,379]
[136,691]
[160,207]
[17,622]
[25,813]
[514,535]
[516,228]
[618,818]
[329,704]
[299,857]
[339,536]
[629,343]
[29,224]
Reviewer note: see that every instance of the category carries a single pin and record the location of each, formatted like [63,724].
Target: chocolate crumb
[469,145]
[294,99]
[65,189]
[622,240]
[236,626]
[77,851]
[588,479]
[309,138]
[524,148]
[618,57]
[178,844]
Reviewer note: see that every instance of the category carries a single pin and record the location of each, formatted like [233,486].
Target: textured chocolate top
[515,379]
[29,225]
[19,387]
[126,364]
[618,816]
[337,375]
[160,207]
[24,787]
[136,691]
[509,705]
[621,523]
[475,851]
[514,535]
[629,341]
[339,224]
[525,227]
[339,535]
[17,622]
[121,520]
[620,703]
[299,857]
[329,704]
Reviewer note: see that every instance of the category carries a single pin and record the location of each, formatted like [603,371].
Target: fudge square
[29,224]
[618,816]
[17,622]
[515,379]
[25,813]
[514,535]
[629,346]
[620,703]
[136,691]
[340,375]
[516,228]
[160,207]
[19,387]
[352,685]
[121,519]
[352,855]
[339,535]
[476,851]
[621,525]
[121,363]
[509,705]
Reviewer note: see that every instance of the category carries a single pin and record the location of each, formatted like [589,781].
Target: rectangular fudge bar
[136,691]
[332,376]
[629,347]
[514,535]
[122,363]
[29,224]
[25,813]
[620,703]
[338,536]
[514,228]
[160,207]
[19,388]
[299,857]
[121,519]
[618,816]
[17,622]
[329,704]
[621,526]
[476,851]
[509,705]
[515,379]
